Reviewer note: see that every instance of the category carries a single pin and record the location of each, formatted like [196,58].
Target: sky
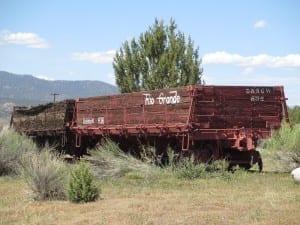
[241,42]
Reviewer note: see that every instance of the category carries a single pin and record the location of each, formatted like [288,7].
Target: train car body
[211,122]
[48,123]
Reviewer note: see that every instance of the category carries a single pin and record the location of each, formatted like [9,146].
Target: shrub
[12,147]
[46,174]
[81,185]
[218,166]
[188,169]
[109,160]
[150,156]
[284,147]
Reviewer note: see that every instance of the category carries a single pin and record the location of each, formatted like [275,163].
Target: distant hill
[28,90]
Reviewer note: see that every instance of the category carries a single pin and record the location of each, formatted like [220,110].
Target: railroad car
[210,122]
[46,124]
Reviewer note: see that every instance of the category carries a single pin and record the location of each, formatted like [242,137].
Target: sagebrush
[108,160]
[46,174]
[12,147]
[284,147]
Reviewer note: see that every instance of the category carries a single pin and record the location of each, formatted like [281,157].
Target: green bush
[46,175]
[12,147]
[81,185]
[284,147]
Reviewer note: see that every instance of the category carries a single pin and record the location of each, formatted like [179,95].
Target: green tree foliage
[162,57]
[81,185]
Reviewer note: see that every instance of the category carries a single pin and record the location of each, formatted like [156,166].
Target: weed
[188,169]
[109,160]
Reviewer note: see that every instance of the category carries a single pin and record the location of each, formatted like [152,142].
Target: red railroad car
[212,122]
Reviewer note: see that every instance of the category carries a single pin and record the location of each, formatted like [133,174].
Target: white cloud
[288,61]
[30,40]
[43,77]
[95,57]
[260,24]
[221,58]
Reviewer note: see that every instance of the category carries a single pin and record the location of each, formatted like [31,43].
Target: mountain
[28,90]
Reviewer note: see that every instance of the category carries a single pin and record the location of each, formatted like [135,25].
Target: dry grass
[245,198]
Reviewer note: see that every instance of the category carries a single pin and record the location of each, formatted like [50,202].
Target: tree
[160,58]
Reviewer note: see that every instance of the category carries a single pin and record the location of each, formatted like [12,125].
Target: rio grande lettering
[162,99]
[148,99]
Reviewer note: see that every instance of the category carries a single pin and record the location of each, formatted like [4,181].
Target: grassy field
[240,198]
[137,193]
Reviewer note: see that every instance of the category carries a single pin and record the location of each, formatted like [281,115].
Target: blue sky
[246,42]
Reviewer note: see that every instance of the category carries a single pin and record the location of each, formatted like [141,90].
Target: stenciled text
[257,94]
[162,99]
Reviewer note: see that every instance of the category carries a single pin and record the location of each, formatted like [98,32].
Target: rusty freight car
[47,123]
[212,122]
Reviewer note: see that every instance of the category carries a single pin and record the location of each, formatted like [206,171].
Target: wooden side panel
[239,107]
[159,107]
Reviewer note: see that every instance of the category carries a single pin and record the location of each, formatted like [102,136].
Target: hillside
[29,90]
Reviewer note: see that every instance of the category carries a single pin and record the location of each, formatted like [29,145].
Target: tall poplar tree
[161,58]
